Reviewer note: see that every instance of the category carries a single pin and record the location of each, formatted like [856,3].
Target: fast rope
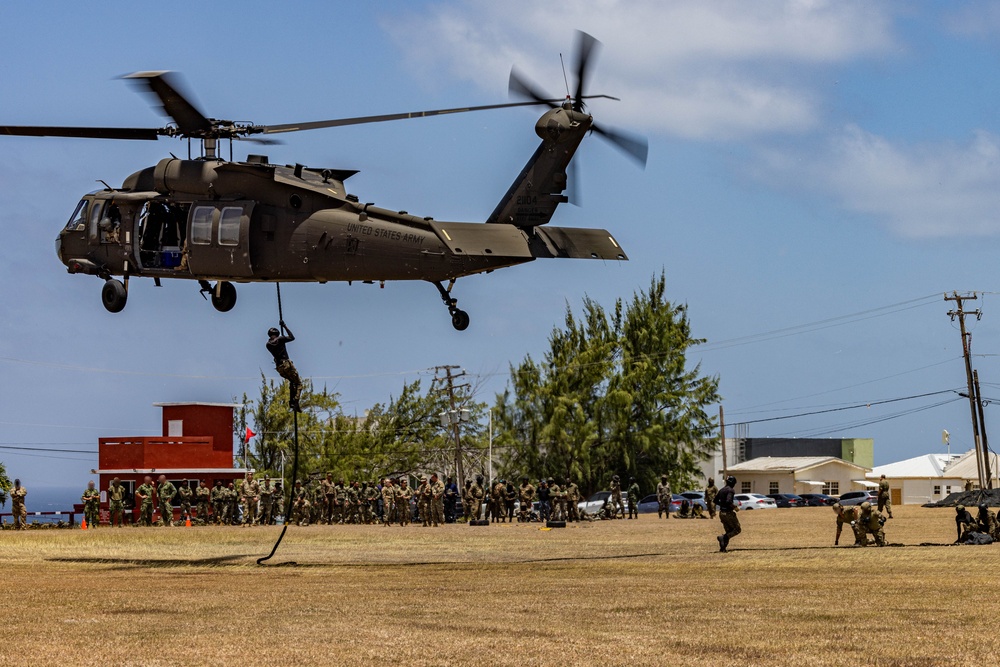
[295,462]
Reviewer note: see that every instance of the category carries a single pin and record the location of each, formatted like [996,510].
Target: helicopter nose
[59,248]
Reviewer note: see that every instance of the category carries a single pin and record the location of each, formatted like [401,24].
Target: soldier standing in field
[423,493]
[165,492]
[388,502]
[300,505]
[437,501]
[573,497]
[544,500]
[727,514]
[251,496]
[663,497]
[231,500]
[476,494]
[276,346]
[633,499]
[145,495]
[558,499]
[884,500]
[710,492]
[329,498]
[116,502]
[203,498]
[91,505]
[186,495]
[218,502]
[403,496]
[850,516]
[266,490]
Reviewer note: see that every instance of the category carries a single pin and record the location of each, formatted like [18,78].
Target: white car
[594,503]
[754,501]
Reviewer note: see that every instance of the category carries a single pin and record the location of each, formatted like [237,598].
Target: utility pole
[455,416]
[960,313]
[982,427]
[722,439]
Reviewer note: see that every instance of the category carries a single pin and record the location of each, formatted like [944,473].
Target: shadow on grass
[156,562]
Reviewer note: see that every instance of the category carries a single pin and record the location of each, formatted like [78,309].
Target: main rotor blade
[520,86]
[166,86]
[82,132]
[585,50]
[635,146]
[339,122]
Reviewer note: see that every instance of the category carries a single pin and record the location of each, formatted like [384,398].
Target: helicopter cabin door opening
[219,239]
[161,235]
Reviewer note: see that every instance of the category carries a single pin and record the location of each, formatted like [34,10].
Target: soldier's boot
[722,543]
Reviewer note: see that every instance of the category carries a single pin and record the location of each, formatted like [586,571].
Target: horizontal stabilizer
[470,238]
[577,243]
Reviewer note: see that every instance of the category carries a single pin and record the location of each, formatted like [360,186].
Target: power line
[849,407]
[825,430]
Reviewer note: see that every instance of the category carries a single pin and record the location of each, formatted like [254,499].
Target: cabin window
[201,225]
[78,221]
[229,226]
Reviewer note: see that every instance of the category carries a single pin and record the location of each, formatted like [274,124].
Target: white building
[799,474]
[931,477]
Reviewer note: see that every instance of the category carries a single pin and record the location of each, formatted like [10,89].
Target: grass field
[645,592]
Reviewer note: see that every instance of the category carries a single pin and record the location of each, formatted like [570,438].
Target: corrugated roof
[788,463]
[926,466]
[965,467]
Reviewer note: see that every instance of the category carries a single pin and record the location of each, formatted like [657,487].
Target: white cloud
[707,69]
[920,190]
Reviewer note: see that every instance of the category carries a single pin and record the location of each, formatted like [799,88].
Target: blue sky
[808,160]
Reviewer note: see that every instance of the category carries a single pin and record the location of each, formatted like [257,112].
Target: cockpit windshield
[78,221]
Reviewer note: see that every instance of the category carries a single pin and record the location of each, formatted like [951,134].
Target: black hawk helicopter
[213,220]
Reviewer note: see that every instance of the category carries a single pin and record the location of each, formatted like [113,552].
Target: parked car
[754,501]
[858,497]
[651,505]
[818,499]
[697,497]
[594,503]
[787,499]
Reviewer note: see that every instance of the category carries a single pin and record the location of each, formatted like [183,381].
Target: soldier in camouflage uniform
[404,494]
[558,501]
[203,498]
[496,500]
[884,498]
[663,497]
[301,505]
[616,496]
[437,501]
[544,500]
[232,504]
[573,496]
[116,502]
[727,513]
[526,496]
[266,491]
[871,523]
[278,503]
[633,499]
[250,491]
[145,496]
[476,498]
[218,502]
[388,502]
[320,510]
[186,495]
[988,522]
[851,516]
[165,492]
[370,507]
[328,498]
[423,494]
[710,492]
[91,505]
[964,523]
[17,507]
[354,502]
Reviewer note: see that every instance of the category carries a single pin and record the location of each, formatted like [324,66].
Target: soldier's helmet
[615,477]
[524,480]
[631,479]
[272,332]
[479,479]
[567,481]
[837,507]
[982,508]
[663,477]
[730,480]
[959,508]
[866,505]
[552,480]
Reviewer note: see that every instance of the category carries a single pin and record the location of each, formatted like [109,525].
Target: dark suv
[858,497]
[818,499]
[787,500]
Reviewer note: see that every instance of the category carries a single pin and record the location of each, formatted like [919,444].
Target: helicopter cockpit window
[78,221]
[201,225]
[229,226]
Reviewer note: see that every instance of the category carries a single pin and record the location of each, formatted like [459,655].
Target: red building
[196,446]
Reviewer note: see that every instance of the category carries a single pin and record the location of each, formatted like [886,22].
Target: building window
[937,489]
[746,487]
[947,489]
[831,488]
[175,428]
[772,487]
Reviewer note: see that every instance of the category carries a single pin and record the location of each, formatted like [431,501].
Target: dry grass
[611,593]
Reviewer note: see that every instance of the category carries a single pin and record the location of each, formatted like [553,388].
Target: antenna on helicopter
[565,78]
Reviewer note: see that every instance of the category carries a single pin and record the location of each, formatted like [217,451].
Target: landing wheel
[114,295]
[224,297]
[460,320]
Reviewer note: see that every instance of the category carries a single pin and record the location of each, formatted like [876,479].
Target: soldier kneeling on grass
[964,523]
[871,523]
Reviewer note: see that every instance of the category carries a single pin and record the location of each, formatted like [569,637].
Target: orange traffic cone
[187,522]
[83,524]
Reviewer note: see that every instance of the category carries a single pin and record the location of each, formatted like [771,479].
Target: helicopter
[218,221]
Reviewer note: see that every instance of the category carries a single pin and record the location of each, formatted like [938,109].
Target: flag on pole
[250,433]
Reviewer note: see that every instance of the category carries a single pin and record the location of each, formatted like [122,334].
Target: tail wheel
[224,297]
[114,295]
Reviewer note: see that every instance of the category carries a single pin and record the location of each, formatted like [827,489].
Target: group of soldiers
[330,502]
